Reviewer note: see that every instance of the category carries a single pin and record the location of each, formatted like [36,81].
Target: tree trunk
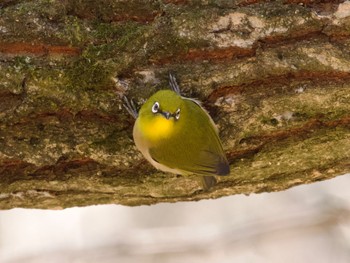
[274,75]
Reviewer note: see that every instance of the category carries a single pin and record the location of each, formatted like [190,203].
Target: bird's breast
[157,128]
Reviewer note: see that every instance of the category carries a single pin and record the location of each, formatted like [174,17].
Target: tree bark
[274,75]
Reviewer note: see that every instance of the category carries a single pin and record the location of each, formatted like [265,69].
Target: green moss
[107,10]
[172,45]
[11,79]
[75,30]
[88,74]
[114,142]
[118,47]
[116,39]
[32,21]
[278,161]
[290,109]
[131,36]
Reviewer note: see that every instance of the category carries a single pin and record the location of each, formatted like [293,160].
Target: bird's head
[161,114]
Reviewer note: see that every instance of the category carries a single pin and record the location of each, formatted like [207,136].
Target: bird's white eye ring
[177,114]
[155,107]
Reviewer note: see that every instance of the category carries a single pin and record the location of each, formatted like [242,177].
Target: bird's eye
[177,114]
[155,107]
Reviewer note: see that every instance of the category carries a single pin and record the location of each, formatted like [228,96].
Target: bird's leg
[130,107]
[173,84]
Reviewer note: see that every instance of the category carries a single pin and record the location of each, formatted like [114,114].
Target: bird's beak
[166,114]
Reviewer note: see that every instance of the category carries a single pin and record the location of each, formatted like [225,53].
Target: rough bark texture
[274,76]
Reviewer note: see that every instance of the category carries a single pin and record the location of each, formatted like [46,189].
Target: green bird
[175,134]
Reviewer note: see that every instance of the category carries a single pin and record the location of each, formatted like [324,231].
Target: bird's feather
[182,151]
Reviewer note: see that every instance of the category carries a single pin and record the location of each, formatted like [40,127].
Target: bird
[177,135]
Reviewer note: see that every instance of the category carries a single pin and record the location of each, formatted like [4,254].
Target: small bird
[175,134]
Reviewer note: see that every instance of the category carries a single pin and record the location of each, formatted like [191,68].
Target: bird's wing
[210,163]
[204,162]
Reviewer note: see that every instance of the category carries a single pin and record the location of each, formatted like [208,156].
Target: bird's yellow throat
[157,128]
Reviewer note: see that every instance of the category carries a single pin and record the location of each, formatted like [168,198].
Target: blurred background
[309,223]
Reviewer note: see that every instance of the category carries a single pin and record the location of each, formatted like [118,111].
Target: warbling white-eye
[175,134]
